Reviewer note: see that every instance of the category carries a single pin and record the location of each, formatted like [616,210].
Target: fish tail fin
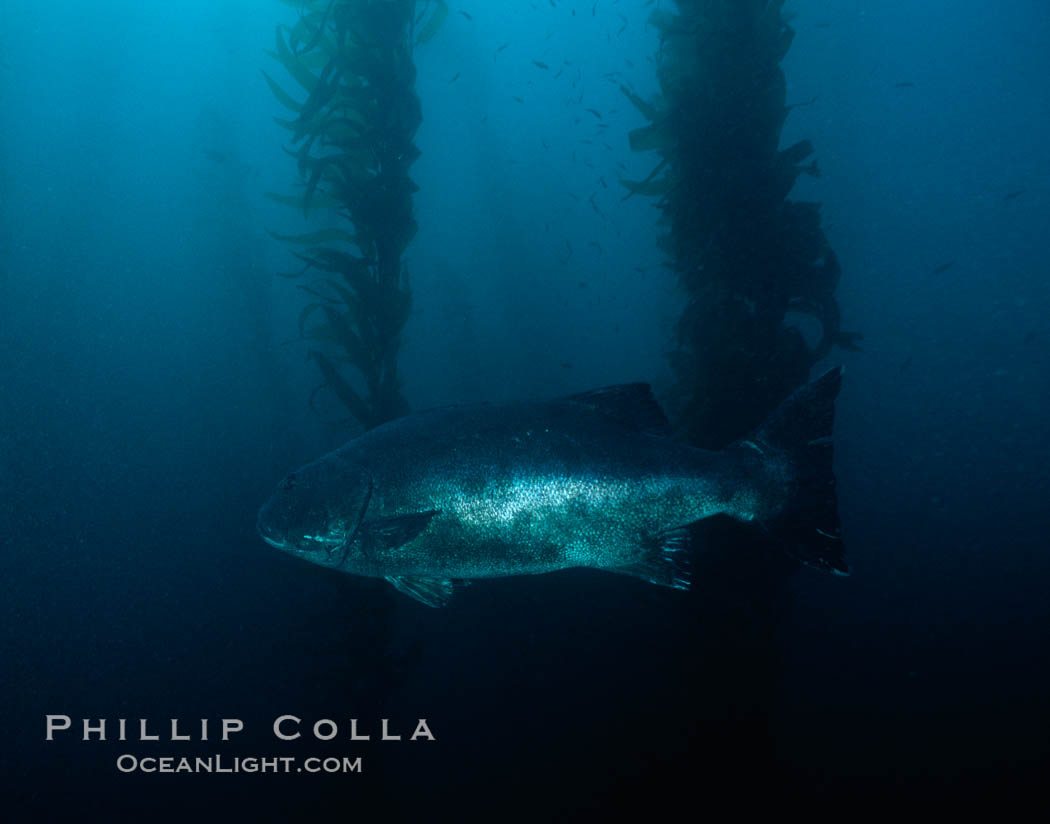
[800,430]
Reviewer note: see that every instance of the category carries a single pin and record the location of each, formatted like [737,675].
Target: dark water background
[150,400]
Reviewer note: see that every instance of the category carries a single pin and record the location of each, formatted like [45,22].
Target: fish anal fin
[434,592]
[666,560]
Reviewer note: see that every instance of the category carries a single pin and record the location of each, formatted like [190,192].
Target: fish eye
[289,482]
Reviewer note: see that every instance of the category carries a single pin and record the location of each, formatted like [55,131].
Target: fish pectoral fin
[434,592]
[392,532]
[666,560]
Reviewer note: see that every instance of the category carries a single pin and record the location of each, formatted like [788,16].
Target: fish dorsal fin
[631,404]
[434,592]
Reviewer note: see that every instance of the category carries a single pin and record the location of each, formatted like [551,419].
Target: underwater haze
[159,377]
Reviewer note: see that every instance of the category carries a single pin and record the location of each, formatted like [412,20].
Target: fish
[466,493]
[943,267]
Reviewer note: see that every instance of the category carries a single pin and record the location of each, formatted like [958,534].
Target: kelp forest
[352,126]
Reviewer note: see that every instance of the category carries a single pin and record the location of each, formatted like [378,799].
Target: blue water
[152,393]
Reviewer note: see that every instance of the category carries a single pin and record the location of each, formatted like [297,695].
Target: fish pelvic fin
[800,430]
[666,559]
[434,592]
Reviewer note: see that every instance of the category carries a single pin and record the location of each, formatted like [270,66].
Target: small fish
[566,365]
[455,77]
[595,112]
[904,84]
[520,100]
[217,156]
[540,64]
[905,364]
[944,267]
[1013,194]
[465,14]
[1028,338]
[501,48]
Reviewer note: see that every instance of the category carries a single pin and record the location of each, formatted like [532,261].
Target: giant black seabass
[589,480]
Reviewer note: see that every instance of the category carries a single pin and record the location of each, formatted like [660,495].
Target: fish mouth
[270,535]
[275,544]
[307,548]
[325,551]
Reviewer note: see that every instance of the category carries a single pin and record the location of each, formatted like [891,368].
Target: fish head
[316,510]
